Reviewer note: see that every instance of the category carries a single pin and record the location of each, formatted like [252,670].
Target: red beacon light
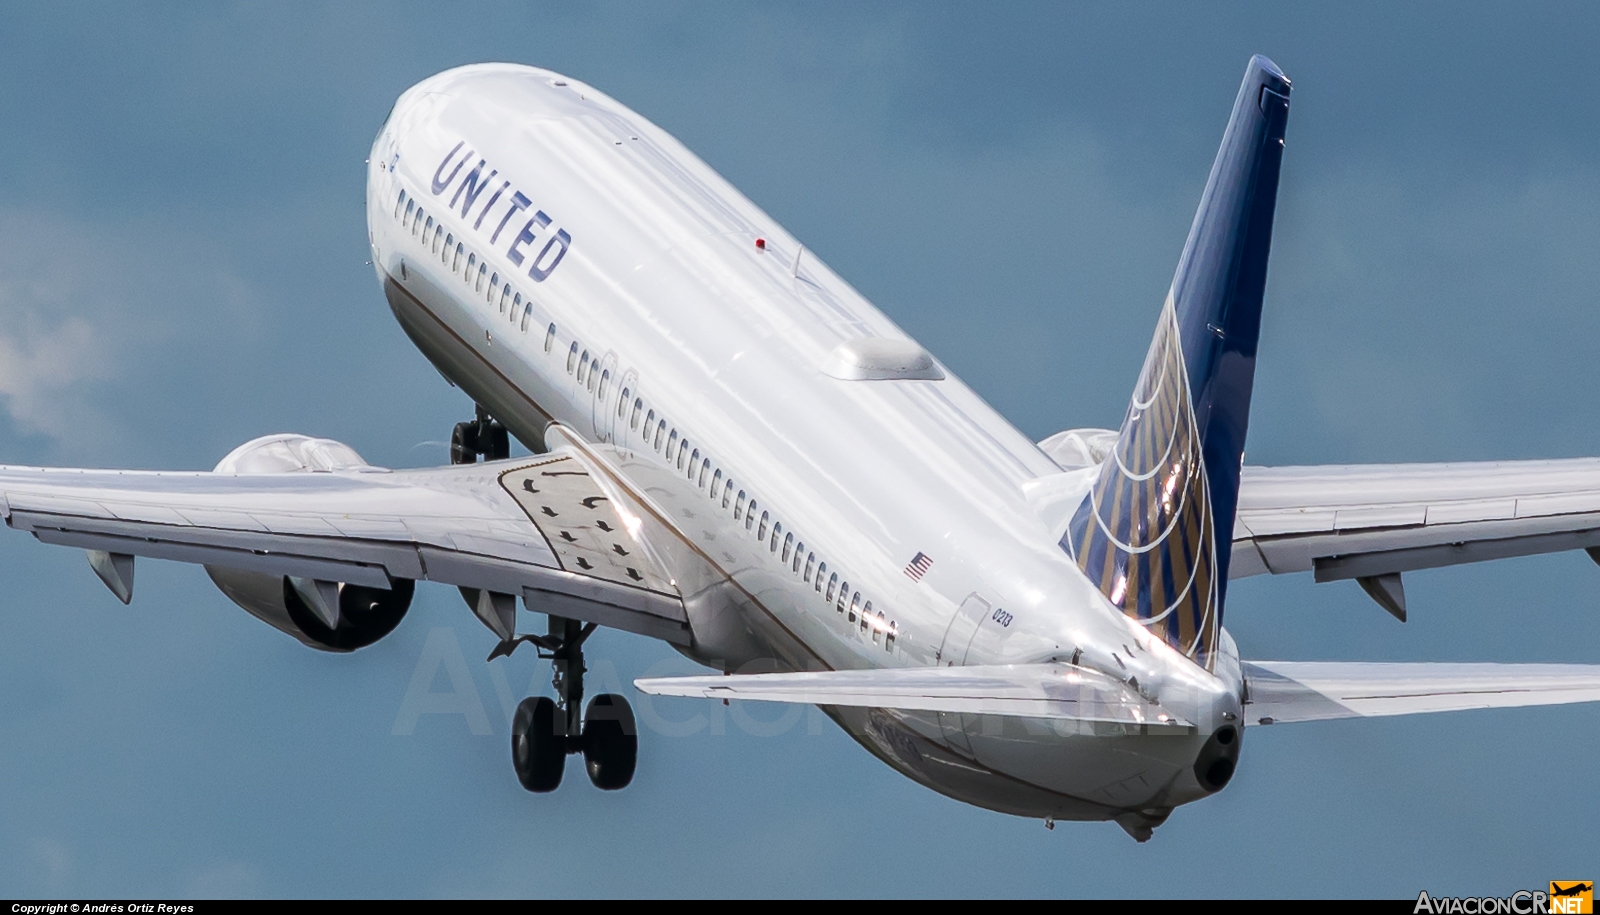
[761,244]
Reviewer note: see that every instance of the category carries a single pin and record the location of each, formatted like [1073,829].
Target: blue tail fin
[1155,533]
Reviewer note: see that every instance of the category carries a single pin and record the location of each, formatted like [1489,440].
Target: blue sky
[182,269]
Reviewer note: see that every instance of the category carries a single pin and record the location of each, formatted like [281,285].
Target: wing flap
[1057,691]
[1279,692]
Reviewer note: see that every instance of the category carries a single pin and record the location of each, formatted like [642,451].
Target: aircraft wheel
[610,742]
[496,442]
[538,749]
[464,444]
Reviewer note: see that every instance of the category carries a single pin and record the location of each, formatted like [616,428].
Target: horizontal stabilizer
[1024,690]
[1285,691]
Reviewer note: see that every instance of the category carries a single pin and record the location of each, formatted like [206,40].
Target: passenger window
[776,530]
[705,468]
[438,236]
[505,294]
[483,273]
[788,544]
[527,316]
[427,227]
[844,592]
[583,366]
[661,429]
[738,507]
[410,207]
[683,449]
[594,374]
[798,549]
[549,338]
[693,460]
[833,582]
[716,480]
[622,404]
[672,443]
[605,379]
[877,623]
[761,530]
[811,560]
[633,423]
[750,515]
[855,602]
[456,264]
[727,490]
[398,203]
[889,634]
[572,357]
[449,241]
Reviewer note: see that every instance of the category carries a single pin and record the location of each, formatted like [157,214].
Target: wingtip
[1266,65]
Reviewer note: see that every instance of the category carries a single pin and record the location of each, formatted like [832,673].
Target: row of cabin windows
[586,369]
[790,552]
[455,255]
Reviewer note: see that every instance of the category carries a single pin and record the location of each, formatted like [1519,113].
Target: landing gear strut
[544,732]
[483,437]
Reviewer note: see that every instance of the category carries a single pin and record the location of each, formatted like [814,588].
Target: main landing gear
[483,437]
[544,732]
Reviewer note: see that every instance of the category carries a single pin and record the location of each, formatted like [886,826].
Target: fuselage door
[953,653]
[619,407]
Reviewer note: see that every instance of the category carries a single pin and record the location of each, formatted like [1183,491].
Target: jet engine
[362,615]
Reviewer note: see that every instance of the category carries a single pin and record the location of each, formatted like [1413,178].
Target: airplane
[734,452]
[1577,889]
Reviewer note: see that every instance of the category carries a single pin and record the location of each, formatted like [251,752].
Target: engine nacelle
[365,614]
[1078,448]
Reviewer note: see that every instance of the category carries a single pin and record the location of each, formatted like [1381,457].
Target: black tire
[496,443]
[464,444]
[538,748]
[610,742]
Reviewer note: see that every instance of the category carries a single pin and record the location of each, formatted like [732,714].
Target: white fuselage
[610,281]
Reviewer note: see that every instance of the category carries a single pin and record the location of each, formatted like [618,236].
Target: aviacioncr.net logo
[1566,897]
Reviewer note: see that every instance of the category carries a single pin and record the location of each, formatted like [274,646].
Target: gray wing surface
[1279,692]
[547,528]
[1369,521]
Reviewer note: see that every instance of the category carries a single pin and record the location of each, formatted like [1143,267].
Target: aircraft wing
[1027,690]
[1373,522]
[1284,691]
[553,529]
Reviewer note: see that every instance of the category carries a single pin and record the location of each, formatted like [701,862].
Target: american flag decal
[918,566]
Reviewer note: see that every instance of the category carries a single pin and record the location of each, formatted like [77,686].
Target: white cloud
[89,310]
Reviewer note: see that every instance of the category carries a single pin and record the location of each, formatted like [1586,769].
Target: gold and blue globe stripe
[1145,536]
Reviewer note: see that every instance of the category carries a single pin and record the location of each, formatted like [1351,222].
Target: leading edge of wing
[1052,691]
[491,526]
[1280,692]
